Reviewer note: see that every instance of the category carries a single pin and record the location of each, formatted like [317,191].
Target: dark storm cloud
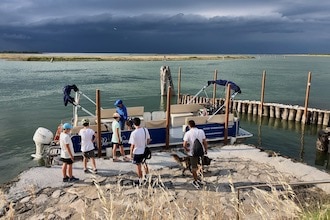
[165,26]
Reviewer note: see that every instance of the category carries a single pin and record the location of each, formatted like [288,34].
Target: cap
[66,126]
[118,102]
[116,115]
[85,121]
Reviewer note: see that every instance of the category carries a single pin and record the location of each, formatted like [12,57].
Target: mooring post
[214,87]
[168,117]
[307,96]
[227,115]
[179,86]
[98,119]
[262,93]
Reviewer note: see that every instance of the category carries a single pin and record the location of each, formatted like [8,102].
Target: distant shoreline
[113,57]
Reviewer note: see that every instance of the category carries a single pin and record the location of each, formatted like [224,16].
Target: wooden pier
[271,110]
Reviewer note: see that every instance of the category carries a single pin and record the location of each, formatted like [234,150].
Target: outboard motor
[41,137]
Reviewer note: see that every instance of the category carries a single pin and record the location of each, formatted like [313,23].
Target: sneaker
[73,179]
[196,185]
[200,182]
[66,179]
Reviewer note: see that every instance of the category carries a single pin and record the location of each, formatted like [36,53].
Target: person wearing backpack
[195,144]
[139,139]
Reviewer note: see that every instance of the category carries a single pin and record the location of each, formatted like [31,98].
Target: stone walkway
[40,193]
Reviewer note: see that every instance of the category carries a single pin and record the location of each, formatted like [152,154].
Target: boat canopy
[221,82]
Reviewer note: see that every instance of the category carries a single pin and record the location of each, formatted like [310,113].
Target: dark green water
[31,97]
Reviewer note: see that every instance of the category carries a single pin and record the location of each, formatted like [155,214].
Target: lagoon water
[31,97]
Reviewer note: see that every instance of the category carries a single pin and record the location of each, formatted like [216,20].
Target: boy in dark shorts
[139,139]
[67,152]
[87,144]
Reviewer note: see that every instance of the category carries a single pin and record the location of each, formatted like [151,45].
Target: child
[87,147]
[116,139]
[67,153]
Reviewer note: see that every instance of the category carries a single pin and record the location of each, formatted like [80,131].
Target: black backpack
[147,153]
[197,149]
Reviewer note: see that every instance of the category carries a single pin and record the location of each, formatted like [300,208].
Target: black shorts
[138,158]
[66,160]
[89,154]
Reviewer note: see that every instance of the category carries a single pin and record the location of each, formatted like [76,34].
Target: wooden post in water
[179,86]
[262,93]
[307,97]
[225,136]
[98,120]
[168,117]
[214,87]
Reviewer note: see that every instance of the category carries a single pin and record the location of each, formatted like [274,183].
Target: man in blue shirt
[122,111]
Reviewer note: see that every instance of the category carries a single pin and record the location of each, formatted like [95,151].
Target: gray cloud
[165,27]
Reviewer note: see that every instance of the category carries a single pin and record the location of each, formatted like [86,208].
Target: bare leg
[146,168]
[93,163]
[70,170]
[139,170]
[114,150]
[194,172]
[122,152]
[64,167]
[85,163]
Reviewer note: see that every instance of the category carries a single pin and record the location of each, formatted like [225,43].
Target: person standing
[188,141]
[139,138]
[122,111]
[67,153]
[87,144]
[116,139]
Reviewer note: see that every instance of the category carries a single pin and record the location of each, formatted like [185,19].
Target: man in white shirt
[188,141]
[139,139]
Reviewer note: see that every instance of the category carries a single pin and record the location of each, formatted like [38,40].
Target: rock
[41,199]
[57,193]
[79,205]
[25,199]
[67,198]
[64,214]
[37,217]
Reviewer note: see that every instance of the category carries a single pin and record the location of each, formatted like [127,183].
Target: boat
[208,117]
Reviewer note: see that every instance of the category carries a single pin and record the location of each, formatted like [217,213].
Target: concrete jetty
[232,166]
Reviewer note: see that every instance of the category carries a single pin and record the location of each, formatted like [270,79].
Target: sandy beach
[39,193]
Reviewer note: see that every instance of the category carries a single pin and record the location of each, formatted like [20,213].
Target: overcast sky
[172,26]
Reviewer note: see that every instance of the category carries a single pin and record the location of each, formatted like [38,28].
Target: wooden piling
[214,87]
[307,96]
[179,86]
[98,119]
[168,117]
[227,114]
[262,93]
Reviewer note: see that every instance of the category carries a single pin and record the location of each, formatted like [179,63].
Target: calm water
[31,96]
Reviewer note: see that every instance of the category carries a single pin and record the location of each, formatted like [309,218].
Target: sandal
[126,159]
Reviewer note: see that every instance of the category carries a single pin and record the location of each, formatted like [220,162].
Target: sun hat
[66,126]
[116,115]
[85,121]
[118,102]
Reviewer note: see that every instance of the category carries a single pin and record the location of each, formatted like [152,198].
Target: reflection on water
[288,138]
